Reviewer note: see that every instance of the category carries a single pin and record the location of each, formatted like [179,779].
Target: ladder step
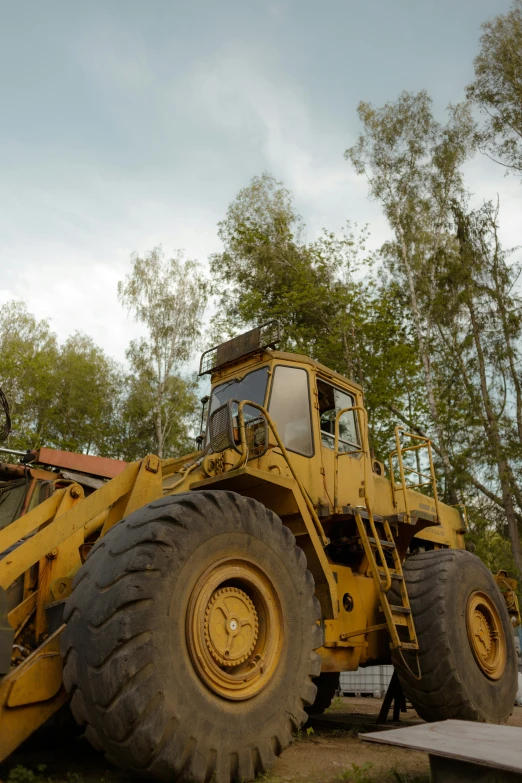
[393,574]
[384,544]
[400,609]
[409,646]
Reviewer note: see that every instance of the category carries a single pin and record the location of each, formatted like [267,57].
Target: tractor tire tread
[441,693]
[121,712]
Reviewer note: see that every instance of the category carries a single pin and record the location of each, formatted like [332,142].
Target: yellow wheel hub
[486,635]
[235,628]
[231,626]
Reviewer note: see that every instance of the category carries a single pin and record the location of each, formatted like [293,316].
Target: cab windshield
[251,387]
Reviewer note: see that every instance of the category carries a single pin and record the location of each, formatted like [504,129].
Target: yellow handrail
[272,425]
[399,451]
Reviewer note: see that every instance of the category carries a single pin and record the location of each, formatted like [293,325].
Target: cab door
[331,399]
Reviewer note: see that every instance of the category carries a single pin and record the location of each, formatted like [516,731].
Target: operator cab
[283,388]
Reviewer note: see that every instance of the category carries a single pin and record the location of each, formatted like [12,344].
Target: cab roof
[285,356]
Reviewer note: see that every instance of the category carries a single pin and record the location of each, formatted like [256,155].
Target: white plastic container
[370,681]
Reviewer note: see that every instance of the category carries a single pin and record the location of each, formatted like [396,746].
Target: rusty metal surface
[238,346]
[265,336]
[84,463]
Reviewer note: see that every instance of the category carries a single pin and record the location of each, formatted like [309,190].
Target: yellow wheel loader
[194,611]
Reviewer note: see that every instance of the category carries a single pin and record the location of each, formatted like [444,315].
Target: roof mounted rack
[265,336]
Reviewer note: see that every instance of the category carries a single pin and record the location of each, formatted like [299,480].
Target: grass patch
[336,705]
[365,773]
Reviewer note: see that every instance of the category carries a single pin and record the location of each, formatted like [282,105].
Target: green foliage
[28,354]
[60,396]
[497,87]
[86,398]
[335,705]
[488,538]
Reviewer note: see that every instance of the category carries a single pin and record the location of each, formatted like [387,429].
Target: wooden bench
[461,751]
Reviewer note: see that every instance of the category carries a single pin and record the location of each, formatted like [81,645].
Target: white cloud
[178,145]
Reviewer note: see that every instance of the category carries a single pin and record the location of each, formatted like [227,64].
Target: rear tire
[466,674]
[327,685]
[149,621]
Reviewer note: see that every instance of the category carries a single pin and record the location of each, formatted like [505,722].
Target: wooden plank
[489,745]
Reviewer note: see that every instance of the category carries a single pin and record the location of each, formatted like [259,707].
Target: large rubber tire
[327,685]
[453,685]
[127,661]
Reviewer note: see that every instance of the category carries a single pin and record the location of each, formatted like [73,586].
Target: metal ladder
[376,544]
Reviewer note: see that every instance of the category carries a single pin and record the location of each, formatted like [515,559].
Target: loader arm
[39,555]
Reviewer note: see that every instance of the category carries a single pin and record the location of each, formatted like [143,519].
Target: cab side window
[331,401]
[290,409]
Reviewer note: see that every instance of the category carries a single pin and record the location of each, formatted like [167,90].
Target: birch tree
[480,324]
[168,296]
[413,168]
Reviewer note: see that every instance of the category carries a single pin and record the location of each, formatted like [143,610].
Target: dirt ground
[328,750]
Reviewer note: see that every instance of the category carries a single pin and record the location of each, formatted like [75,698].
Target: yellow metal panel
[39,681]
[18,722]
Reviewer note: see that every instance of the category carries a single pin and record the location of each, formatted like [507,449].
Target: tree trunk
[357,357]
[158,423]
[347,355]
[499,297]
[425,359]
[492,431]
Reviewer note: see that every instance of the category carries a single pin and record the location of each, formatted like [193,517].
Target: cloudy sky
[127,124]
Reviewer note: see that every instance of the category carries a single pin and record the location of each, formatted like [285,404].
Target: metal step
[384,544]
[393,574]
[400,609]
[409,646]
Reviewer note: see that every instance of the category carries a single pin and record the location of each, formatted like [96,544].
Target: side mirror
[221,428]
